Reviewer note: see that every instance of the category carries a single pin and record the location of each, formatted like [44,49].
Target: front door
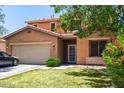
[72,53]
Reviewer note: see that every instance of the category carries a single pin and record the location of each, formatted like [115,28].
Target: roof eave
[14,32]
[34,28]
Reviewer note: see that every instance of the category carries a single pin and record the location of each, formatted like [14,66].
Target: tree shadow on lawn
[98,83]
[93,77]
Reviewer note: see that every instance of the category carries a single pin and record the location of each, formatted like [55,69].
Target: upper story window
[77,26]
[53,26]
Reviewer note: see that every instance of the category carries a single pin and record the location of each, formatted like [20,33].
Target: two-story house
[44,38]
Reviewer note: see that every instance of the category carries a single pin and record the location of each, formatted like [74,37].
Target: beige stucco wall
[60,49]
[2,45]
[34,36]
[83,50]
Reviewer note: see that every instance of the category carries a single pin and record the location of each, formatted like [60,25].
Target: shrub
[114,58]
[53,62]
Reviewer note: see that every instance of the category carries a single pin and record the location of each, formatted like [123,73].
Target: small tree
[2,29]
[114,59]
[86,19]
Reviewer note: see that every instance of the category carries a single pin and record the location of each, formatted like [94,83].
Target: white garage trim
[30,43]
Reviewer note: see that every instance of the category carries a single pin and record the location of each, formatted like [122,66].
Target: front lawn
[53,78]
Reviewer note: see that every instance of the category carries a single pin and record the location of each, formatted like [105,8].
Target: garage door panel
[31,61]
[31,54]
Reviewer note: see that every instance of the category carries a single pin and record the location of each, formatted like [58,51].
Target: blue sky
[16,15]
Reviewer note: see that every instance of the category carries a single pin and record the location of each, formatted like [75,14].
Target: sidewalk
[65,66]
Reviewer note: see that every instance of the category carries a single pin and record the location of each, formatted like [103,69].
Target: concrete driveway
[14,70]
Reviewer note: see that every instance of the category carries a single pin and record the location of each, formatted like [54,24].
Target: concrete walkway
[91,67]
[65,66]
[14,70]
[60,67]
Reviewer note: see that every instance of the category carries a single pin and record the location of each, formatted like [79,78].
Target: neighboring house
[42,39]
[2,44]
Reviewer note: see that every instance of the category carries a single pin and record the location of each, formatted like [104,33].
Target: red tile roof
[68,35]
[43,20]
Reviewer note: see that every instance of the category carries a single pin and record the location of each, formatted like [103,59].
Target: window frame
[76,22]
[98,51]
[51,26]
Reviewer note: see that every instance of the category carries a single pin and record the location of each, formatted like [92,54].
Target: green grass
[53,78]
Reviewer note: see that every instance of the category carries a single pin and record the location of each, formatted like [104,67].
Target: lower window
[97,47]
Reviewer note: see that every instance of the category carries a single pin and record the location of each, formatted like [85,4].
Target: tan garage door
[31,54]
